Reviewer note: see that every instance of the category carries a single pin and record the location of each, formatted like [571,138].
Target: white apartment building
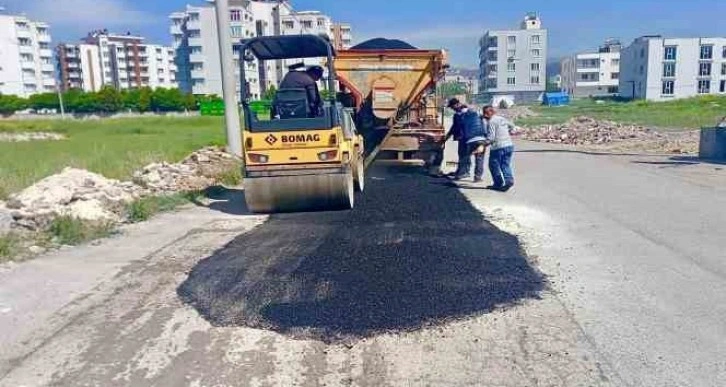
[26,59]
[592,74]
[122,61]
[513,63]
[197,48]
[342,34]
[660,69]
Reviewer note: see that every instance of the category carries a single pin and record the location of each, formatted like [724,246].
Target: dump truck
[392,86]
[298,160]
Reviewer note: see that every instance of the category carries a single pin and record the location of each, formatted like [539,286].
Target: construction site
[349,229]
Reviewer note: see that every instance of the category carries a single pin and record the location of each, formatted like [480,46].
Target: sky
[456,25]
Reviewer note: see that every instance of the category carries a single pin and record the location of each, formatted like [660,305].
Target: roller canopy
[288,47]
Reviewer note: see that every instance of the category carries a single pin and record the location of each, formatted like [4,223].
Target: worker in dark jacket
[469,130]
[455,133]
[307,80]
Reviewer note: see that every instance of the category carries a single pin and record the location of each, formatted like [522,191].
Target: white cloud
[85,13]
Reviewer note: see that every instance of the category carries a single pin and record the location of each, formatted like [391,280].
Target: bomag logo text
[295,138]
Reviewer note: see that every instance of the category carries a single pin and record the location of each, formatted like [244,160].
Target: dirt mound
[383,44]
[198,171]
[73,192]
[609,135]
[31,136]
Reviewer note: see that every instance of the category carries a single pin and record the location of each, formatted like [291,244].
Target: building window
[534,80]
[194,16]
[492,55]
[511,81]
[642,69]
[668,87]
[722,88]
[707,52]
[288,24]
[307,24]
[195,49]
[642,53]
[669,69]
[493,41]
[704,86]
[704,69]
[670,53]
[534,66]
[723,54]
[26,57]
[511,40]
[612,89]
[321,22]
[24,41]
[536,39]
[614,75]
[536,52]
[492,68]
[615,62]
[235,15]
[723,69]
[511,53]
[511,67]
[195,33]
[236,31]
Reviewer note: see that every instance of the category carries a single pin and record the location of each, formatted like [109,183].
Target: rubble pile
[589,132]
[196,172]
[31,136]
[73,192]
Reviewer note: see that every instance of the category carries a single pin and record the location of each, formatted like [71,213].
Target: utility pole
[231,108]
[60,102]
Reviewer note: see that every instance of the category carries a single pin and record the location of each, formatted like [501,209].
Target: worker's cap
[315,70]
[453,102]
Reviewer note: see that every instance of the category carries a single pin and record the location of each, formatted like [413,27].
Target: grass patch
[232,177]
[8,247]
[112,147]
[145,208]
[66,230]
[690,113]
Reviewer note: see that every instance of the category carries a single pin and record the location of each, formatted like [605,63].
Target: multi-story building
[592,74]
[342,35]
[660,69]
[513,63]
[197,47]
[26,59]
[122,61]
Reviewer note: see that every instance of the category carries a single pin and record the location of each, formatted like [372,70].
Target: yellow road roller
[305,155]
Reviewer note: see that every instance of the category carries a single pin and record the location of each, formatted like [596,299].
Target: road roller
[298,158]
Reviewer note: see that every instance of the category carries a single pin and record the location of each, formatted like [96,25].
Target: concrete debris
[31,136]
[6,218]
[601,134]
[198,171]
[73,192]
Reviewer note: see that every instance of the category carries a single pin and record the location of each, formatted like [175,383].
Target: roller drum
[314,192]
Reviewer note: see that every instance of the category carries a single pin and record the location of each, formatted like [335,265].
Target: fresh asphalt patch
[411,254]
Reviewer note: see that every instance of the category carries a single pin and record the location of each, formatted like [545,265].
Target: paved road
[593,271]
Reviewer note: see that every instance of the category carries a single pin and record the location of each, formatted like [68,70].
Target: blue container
[556,99]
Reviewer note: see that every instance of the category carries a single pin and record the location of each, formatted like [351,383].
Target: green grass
[8,247]
[66,230]
[111,147]
[145,208]
[692,113]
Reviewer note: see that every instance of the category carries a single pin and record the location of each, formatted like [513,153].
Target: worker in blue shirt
[468,129]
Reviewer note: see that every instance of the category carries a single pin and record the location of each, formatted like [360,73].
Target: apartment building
[197,47]
[592,74]
[512,63]
[26,59]
[123,61]
[342,35]
[660,69]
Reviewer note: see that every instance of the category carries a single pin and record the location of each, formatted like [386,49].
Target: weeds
[145,208]
[8,247]
[66,230]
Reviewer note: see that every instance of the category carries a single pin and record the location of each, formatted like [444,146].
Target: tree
[270,93]
[43,101]
[144,101]
[108,99]
[190,102]
[450,89]
[166,100]
[10,104]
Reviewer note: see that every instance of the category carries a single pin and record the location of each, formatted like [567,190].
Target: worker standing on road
[471,134]
[502,149]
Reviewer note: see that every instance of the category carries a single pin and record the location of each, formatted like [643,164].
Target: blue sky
[574,25]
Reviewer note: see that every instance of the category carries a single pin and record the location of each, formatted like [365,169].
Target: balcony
[176,30]
[26,49]
[196,58]
[24,33]
[196,42]
[27,65]
[44,38]
[45,53]
[47,67]
[48,82]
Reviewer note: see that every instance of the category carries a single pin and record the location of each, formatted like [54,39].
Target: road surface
[594,270]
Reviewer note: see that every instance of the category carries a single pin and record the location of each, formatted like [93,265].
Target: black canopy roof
[289,47]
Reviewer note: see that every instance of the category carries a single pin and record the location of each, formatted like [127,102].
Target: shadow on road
[225,200]
[410,254]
